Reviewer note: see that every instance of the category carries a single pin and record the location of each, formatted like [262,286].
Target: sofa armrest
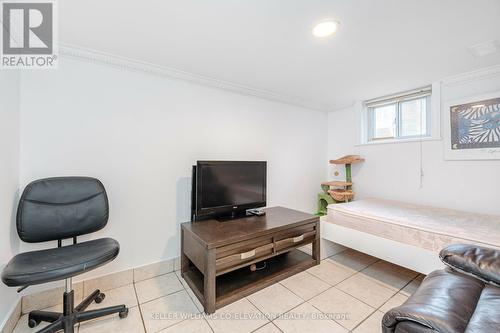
[480,262]
[444,302]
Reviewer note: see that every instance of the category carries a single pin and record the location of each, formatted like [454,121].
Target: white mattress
[427,227]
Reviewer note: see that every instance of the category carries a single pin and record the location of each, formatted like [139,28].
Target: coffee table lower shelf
[242,282]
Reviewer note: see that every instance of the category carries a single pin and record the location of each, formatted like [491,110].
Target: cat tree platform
[341,195]
[348,159]
[336,183]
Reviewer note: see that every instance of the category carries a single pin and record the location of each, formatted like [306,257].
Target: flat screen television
[226,189]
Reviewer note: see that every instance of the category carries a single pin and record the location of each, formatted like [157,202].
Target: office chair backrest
[62,207]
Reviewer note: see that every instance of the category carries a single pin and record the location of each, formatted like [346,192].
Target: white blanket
[427,227]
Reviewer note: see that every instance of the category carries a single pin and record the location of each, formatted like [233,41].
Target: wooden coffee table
[216,255]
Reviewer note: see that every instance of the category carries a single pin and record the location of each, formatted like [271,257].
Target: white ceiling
[382,47]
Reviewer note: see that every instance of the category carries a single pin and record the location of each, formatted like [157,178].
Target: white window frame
[399,119]
[432,116]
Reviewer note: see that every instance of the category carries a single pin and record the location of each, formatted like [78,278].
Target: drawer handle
[246,255]
[298,238]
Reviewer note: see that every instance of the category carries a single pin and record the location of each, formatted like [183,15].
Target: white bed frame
[409,256]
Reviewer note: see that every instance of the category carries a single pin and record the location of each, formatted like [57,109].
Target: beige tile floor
[348,292]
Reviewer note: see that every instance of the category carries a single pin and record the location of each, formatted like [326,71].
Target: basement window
[399,117]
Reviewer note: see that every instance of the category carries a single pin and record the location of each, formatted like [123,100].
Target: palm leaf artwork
[476,125]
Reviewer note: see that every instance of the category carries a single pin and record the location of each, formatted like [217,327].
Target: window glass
[414,117]
[384,121]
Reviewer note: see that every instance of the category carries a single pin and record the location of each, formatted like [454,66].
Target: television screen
[225,187]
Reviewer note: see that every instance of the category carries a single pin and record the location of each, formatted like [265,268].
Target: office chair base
[73,315]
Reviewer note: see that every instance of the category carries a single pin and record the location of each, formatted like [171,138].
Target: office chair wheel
[33,323]
[99,298]
[123,314]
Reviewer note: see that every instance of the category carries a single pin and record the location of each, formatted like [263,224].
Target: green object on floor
[324,199]
[338,191]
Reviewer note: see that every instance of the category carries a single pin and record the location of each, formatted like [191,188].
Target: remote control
[256,211]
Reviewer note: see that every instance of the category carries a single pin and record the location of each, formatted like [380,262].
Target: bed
[407,234]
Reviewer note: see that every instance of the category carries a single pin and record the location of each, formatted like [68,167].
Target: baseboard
[10,321]
[155,269]
[51,297]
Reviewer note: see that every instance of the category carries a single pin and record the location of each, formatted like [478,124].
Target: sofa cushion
[410,327]
[486,318]
[480,262]
[446,301]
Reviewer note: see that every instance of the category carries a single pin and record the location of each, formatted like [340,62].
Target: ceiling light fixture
[325,28]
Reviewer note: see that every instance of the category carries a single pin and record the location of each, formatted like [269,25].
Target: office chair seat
[43,266]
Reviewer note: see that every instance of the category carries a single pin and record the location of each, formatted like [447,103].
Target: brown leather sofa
[463,298]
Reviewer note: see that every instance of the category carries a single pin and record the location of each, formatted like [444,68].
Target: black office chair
[57,209]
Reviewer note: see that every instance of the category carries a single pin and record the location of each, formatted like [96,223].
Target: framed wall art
[472,128]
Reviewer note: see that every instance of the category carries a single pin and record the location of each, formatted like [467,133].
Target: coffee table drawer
[236,254]
[296,237]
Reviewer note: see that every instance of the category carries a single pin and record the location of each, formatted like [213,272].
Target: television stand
[216,256]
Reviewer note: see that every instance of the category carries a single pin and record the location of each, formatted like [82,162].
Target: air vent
[485,48]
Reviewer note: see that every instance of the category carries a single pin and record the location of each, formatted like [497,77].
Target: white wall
[392,171]
[9,180]
[140,134]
